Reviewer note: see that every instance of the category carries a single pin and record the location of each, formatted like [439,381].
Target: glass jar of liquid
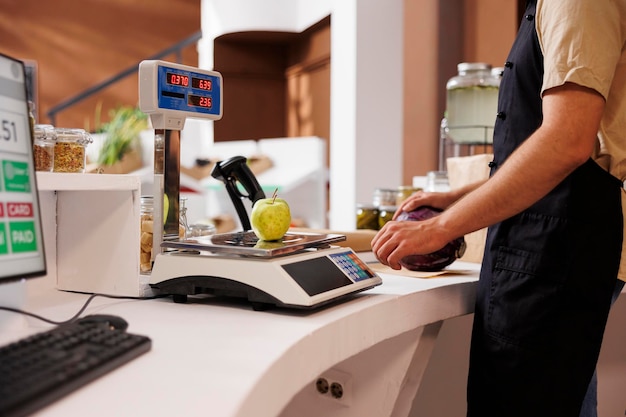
[472,103]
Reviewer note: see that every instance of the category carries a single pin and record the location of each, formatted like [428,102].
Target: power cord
[82,309]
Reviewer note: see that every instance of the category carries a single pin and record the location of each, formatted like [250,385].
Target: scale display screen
[170,93]
[189,91]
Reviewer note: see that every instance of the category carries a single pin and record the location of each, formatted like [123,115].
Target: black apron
[548,273]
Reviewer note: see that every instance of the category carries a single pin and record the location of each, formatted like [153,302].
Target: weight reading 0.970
[9,131]
[199,101]
[177,79]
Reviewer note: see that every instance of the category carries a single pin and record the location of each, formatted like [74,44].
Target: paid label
[23,237]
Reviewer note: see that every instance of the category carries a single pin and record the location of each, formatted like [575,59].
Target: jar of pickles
[385,214]
[404,192]
[70,150]
[43,147]
[366,216]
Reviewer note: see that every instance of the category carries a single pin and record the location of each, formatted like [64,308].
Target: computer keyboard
[42,368]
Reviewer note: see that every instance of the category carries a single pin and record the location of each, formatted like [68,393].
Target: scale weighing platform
[302,270]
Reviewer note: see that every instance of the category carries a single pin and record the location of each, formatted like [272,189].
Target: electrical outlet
[335,385]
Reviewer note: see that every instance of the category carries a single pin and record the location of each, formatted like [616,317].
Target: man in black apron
[550,267]
[548,273]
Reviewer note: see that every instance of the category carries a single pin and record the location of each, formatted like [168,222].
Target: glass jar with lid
[367,216]
[384,197]
[146,234]
[146,239]
[385,214]
[44,139]
[70,150]
[472,103]
[404,192]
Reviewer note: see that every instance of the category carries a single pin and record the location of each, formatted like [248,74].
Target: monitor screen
[21,241]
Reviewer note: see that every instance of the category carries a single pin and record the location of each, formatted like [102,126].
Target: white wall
[366,84]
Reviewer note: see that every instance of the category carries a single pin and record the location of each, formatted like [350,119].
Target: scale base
[181,288]
[306,280]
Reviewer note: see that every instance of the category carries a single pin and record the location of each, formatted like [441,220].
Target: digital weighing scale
[302,270]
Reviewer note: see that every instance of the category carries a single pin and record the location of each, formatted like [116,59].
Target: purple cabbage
[435,261]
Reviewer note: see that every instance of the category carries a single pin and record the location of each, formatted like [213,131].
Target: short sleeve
[580,41]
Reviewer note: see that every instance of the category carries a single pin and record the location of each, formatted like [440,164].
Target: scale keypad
[352,266]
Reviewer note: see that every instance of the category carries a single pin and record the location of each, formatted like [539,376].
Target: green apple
[270,218]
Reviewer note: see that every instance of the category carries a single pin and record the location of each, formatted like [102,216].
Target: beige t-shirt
[584,42]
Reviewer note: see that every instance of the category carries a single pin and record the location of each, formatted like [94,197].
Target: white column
[366,103]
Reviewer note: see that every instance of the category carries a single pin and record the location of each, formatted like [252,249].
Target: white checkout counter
[220,358]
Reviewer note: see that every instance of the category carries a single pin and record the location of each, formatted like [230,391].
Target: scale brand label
[16,177]
[23,237]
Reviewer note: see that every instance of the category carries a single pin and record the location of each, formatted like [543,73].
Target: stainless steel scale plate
[247,244]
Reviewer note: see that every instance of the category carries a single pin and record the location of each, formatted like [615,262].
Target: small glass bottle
[184,224]
[437,181]
[69,150]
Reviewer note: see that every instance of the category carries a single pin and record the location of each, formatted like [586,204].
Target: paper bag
[462,171]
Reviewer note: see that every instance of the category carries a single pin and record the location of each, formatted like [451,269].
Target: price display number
[13,137]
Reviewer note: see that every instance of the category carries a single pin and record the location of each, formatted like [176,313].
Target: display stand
[95,233]
[448,147]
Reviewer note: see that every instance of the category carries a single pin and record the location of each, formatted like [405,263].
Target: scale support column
[170,93]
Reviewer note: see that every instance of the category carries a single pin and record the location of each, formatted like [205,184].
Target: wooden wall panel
[78,44]
[276,84]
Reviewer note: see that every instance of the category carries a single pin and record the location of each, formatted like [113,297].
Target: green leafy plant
[122,133]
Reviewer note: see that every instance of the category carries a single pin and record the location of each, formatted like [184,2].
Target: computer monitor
[21,241]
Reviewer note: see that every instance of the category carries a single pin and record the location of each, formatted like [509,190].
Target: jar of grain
[146,230]
[146,213]
[43,147]
[69,150]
